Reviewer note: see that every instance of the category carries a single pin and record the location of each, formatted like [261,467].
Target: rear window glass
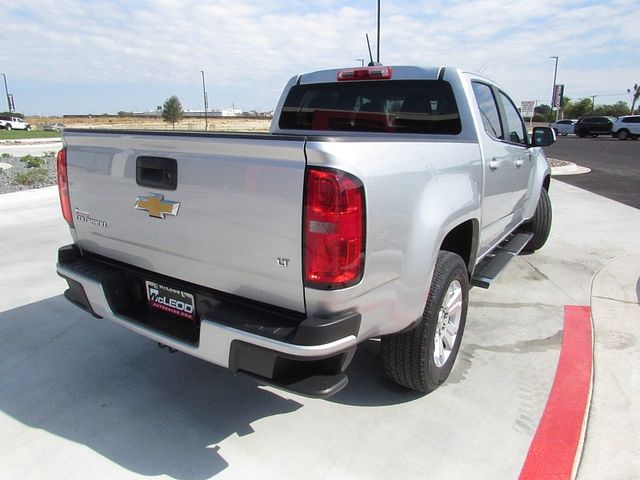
[399,106]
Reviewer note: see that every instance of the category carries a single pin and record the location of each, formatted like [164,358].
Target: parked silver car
[53,127]
[563,127]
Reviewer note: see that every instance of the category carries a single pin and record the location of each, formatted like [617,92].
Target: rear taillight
[63,186]
[365,73]
[334,234]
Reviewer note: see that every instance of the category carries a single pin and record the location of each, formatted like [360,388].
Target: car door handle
[494,164]
[518,163]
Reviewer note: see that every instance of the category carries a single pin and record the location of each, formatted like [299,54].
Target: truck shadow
[96,384]
[368,386]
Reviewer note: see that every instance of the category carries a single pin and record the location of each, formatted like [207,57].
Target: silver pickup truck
[380,195]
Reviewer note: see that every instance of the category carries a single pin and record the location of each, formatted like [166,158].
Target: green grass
[18,134]
[31,177]
[32,161]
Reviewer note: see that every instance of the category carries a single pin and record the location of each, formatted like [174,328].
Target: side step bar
[491,265]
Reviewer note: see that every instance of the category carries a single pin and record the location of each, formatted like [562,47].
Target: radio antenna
[371,63]
[378,52]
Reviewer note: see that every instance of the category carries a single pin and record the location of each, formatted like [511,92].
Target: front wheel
[540,224]
[582,133]
[422,358]
[623,134]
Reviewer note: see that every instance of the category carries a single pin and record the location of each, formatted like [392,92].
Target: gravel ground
[554,162]
[45,178]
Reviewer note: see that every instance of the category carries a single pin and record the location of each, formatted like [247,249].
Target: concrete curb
[557,445]
[30,141]
[570,169]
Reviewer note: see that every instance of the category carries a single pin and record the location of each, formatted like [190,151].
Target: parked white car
[13,123]
[563,127]
[626,127]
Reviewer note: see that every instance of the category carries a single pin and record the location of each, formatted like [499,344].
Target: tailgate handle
[157,172]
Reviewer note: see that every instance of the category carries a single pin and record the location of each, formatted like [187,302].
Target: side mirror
[543,137]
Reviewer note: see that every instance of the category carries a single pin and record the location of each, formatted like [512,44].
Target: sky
[104,56]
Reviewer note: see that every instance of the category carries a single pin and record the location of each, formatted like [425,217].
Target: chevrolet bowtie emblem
[157,206]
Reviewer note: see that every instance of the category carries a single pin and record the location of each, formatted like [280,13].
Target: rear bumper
[281,348]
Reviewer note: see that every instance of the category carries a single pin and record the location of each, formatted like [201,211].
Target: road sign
[12,106]
[527,108]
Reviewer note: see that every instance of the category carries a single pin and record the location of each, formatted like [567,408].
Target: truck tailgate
[238,225]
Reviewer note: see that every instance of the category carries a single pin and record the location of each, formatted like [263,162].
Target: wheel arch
[463,240]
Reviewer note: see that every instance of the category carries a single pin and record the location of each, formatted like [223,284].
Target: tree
[12,114]
[172,110]
[543,113]
[616,110]
[579,109]
[635,94]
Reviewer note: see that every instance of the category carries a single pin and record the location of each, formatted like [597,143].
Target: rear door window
[398,106]
[488,109]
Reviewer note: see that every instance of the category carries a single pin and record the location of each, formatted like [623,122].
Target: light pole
[206,103]
[553,91]
[593,101]
[6,91]
[361,60]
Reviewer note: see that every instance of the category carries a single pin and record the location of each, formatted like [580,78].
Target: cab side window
[517,133]
[488,109]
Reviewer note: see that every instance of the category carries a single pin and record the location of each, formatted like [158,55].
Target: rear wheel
[623,134]
[540,224]
[422,358]
[7,126]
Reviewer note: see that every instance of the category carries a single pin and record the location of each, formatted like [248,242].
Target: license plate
[171,300]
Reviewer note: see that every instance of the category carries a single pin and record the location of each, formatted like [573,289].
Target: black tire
[582,133]
[410,358]
[7,126]
[623,134]
[540,223]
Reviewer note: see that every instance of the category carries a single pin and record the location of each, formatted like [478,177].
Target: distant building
[200,113]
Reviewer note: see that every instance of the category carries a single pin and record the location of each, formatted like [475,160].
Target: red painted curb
[557,443]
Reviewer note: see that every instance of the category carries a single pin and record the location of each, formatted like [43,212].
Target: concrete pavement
[612,449]
[20,149]
[82,395]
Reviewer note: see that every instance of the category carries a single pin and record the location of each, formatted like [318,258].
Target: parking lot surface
[614,164]
[81,396]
